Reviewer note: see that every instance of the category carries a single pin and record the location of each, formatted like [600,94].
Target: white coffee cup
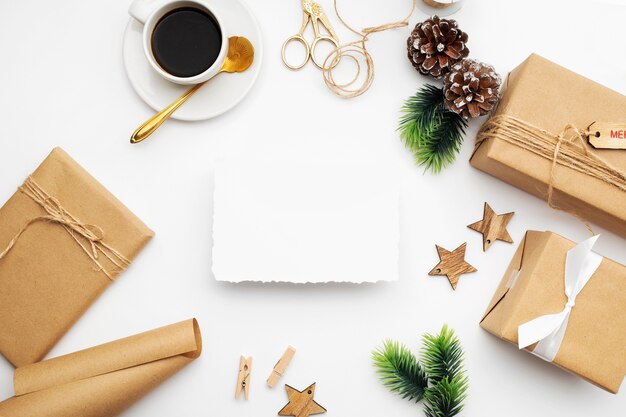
[150,12]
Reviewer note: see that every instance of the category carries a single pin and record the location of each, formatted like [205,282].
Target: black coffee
[186,41]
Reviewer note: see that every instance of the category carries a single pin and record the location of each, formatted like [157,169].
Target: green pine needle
[442,355]
[445,398]
[439,379]
[418,114]
[442,359]
[399,370]
[432,132]
[440,147]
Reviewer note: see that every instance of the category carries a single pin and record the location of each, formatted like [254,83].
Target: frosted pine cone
[472,88]
[435,45]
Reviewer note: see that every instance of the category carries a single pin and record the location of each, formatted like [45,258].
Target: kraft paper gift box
[63,240]
[594,343]
[105,380]
[517,144]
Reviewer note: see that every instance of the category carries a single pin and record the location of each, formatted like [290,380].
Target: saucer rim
[258,51]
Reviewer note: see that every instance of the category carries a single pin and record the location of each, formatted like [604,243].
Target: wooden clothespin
[281,366]
[243,380]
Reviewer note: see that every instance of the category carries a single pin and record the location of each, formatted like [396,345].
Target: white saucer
[220,94]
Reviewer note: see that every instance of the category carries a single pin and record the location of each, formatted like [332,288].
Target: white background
[63,83]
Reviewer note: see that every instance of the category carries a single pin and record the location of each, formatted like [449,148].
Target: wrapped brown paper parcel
[48,277]
[105,380]
[594,345]
[548,97]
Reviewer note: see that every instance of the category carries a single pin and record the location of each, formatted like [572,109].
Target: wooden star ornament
[452,264]
[492,227]
[301,403]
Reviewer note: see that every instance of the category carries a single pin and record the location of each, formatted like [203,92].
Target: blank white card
[304,222]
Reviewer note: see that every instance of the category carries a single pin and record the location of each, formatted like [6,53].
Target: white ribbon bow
[549,330]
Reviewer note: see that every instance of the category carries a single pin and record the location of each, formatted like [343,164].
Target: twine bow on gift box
[549,330]
[88,236]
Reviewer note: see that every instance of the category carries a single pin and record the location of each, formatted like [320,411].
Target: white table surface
[63,83]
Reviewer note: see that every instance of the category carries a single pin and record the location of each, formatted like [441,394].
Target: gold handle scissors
[314,12]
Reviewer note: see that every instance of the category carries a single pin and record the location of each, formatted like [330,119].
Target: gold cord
[356,50]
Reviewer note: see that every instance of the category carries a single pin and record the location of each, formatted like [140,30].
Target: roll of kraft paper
[105,380]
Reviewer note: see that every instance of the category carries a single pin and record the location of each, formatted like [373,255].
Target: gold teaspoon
[238,59]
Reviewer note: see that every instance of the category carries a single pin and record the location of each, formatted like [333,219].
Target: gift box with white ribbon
[566,305]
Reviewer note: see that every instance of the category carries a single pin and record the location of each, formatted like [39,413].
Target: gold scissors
[314,12]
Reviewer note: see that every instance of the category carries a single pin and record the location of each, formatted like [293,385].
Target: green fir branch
[440,147]
[442,355]
[433,133]
[420,114]
[400,371]
[439,378]
[445,398]
[442,358]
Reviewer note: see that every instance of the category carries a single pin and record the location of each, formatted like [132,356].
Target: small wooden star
[301,403]
[492,227]
[452,264]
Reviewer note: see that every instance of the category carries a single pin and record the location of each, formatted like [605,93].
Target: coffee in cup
[184,41]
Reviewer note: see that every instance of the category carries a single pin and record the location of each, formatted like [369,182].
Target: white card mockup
[304,222]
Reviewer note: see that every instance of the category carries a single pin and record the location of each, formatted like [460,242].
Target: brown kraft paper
[105,380]
[594,346]
[47,278]
[549,97]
